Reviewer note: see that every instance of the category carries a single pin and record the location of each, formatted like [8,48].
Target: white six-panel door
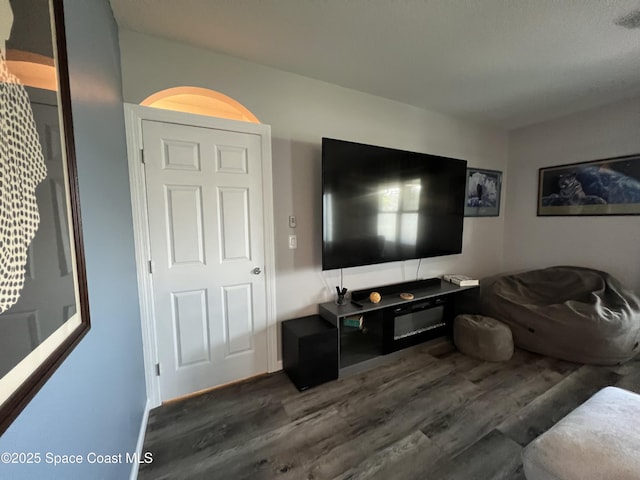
[204,202]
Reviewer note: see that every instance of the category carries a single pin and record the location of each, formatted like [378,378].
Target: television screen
[385,205]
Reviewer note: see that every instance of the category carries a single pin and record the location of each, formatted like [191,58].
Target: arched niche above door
[201,101]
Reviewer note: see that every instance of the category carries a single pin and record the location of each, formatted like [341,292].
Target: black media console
[367,331]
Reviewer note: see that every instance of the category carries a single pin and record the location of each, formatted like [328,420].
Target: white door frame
[134,115]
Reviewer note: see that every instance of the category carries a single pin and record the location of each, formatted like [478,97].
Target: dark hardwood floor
[432,413]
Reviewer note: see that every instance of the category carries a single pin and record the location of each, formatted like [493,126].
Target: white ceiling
[509,63]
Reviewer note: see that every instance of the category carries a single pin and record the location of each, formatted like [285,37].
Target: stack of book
[355,321]
[460,280]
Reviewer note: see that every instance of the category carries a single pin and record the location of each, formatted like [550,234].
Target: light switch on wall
[292,221]
[293,241]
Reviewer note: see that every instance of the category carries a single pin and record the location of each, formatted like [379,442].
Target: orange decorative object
[375,297]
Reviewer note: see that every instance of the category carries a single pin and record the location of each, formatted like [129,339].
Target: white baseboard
[143,429]
[278,366]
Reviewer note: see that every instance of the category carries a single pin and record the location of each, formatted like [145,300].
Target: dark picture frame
[599,187]
[20,382]
[483,191]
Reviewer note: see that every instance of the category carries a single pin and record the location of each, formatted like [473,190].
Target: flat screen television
[384,205]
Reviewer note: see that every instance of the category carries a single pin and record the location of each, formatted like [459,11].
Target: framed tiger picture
[599,187]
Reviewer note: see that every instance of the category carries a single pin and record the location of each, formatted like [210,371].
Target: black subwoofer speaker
[309,351]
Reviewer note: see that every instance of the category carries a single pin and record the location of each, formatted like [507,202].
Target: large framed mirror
[44,310]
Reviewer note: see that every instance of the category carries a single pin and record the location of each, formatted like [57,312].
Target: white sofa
[599,440]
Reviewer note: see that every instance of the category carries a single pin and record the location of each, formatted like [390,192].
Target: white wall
[607,243]
[301,111]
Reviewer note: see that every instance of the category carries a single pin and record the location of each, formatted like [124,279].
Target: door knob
[256,271]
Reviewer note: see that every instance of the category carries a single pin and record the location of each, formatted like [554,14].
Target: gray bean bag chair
[572,313]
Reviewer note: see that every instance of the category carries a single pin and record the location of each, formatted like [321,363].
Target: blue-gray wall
[95,401]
